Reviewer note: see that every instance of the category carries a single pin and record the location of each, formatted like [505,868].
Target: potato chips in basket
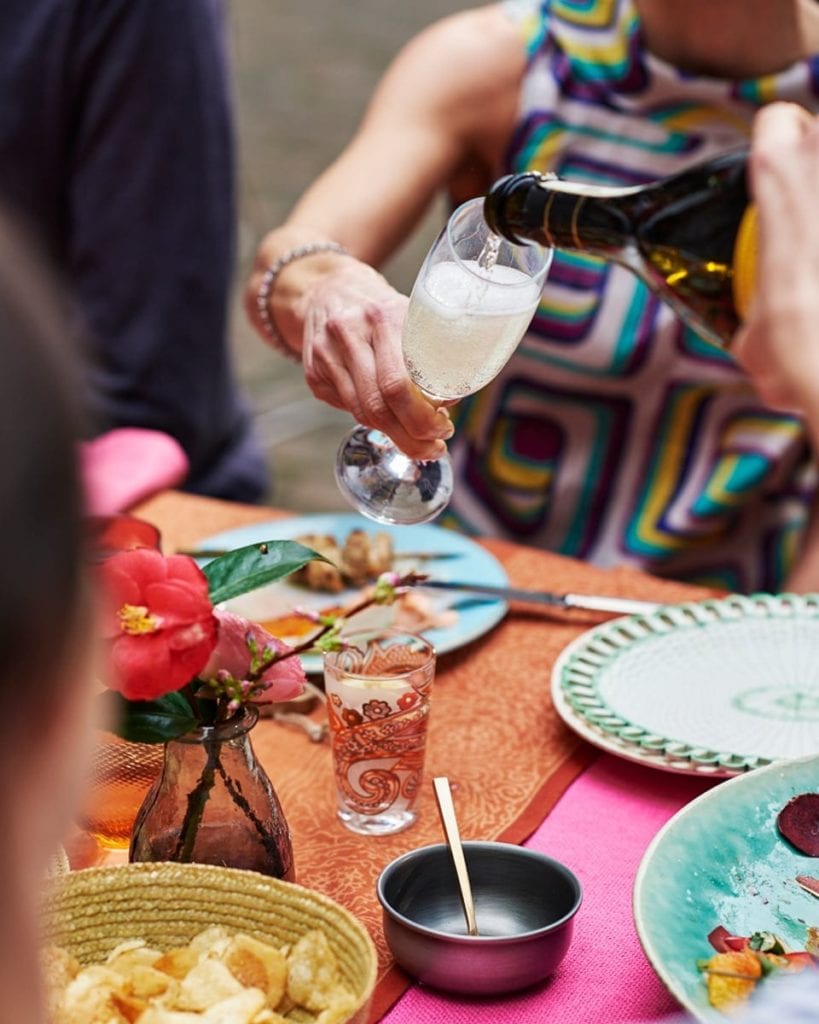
[186,943]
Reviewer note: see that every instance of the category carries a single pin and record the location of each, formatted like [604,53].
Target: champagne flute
[470,306]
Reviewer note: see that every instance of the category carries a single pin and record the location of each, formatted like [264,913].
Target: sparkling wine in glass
[471,304]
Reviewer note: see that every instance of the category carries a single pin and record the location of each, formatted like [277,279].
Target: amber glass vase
[121,775]
[214,804]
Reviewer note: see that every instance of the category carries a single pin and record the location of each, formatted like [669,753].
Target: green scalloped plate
[721,860]
[708,688]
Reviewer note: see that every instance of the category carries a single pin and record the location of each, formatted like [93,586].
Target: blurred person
[786,1000]
[45,613]
[116,146]
[779,345]
[614,434]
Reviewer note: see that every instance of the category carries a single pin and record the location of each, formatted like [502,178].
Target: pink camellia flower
[160,620]
[284,680]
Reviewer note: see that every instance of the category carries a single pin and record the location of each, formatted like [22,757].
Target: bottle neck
[587,218]
[560,214]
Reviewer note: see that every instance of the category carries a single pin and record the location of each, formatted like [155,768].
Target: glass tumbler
[378,691]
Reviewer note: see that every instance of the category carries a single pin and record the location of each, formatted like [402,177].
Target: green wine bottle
[690,237]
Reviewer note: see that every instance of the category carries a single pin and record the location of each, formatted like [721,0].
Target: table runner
[600,829]
[493,730]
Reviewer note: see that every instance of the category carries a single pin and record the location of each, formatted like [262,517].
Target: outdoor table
[518,775]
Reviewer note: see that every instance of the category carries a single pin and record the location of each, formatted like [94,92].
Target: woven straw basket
[91,911]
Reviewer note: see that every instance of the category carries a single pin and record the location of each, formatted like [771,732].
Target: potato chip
[269,1017]
[159,1015]
[209,982]
[125,959]
[128,1006]
[257,965]
[148,983]
[218,978]
[88,998]
[59,967]
[239,1009]
[312,973]
[177,962]
[210,941]
[340,1008]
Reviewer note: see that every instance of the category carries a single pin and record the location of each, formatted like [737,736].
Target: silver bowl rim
[488,940]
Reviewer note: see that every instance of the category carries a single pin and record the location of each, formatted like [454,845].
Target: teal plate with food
[448,620]
[722,863]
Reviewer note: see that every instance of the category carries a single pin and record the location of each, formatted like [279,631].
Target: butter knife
[588,602]
[402,556]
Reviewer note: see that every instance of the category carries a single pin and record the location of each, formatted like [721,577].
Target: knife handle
[615,605]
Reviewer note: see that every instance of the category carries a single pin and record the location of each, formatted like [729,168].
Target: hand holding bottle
[779,344]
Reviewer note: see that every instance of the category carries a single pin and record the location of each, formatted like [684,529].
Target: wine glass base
[388,486]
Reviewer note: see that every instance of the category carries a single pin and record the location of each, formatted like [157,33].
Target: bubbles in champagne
[463,325]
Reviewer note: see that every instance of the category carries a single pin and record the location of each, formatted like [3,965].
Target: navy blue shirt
[116,147]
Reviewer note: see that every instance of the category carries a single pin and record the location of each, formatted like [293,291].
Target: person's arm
[444,109]
[779,345]
[149,227]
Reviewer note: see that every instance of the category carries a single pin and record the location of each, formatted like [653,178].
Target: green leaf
[148,721]
[254,566]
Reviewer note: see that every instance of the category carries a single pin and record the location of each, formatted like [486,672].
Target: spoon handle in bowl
[443,795]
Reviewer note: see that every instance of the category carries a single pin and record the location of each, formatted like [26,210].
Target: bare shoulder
[477,44]
[465,69]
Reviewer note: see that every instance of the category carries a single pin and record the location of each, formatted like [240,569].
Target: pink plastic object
[128,465]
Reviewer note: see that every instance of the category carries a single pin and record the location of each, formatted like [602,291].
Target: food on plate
[809,884]
[218,978]
[416,613]
[294,627]
[362,557]
[798,822]
[410,611]
[731,978]
[365,556]
[740,962]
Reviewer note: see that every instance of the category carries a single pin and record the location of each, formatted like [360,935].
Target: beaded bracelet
[268,282]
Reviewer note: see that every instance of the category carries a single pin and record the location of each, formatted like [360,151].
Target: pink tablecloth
[600,829]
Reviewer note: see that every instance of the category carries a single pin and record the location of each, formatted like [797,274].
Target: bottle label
[745,259]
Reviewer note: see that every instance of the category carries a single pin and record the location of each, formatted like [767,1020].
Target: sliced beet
[798,822]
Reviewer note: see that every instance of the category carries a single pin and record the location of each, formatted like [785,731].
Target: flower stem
[268,840]
[408,580]
[197,799]
[189,694]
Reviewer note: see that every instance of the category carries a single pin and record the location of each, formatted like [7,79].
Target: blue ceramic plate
[466,561]
[721,860]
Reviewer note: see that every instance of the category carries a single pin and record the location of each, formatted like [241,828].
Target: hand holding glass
[471,304]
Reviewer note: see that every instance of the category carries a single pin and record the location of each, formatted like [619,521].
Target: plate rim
[496,609]
[685,758]
[707,1015]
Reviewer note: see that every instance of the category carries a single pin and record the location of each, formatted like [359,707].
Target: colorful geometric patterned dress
[615,434]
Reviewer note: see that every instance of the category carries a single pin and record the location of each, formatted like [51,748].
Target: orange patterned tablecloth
[493,730]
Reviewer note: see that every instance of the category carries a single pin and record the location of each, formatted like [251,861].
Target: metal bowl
[524,905]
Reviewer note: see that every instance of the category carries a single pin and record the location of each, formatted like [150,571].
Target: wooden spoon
[443,795]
